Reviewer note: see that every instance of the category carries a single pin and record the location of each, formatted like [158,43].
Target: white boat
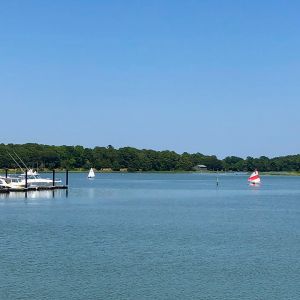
[11,183]
[30,172]
[254,178]
[91,173]
[34,179]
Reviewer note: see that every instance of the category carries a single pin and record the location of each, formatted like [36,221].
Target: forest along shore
[108,159]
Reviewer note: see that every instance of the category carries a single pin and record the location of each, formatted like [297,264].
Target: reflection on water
[35,194]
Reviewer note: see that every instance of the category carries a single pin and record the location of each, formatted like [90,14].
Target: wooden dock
[37,188]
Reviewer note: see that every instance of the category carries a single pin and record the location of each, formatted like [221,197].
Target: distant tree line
[132,159]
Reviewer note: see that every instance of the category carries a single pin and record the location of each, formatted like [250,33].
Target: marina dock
[28,188]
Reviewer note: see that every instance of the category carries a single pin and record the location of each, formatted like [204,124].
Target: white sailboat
[91,173]
[254,178]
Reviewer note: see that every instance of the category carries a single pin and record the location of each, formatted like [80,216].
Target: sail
[254,177]
[91,173]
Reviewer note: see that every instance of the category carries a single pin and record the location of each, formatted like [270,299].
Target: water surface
[153,236]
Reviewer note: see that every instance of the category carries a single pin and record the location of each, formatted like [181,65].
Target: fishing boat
[254,178]
[91,173]
[35,180]
[33,177]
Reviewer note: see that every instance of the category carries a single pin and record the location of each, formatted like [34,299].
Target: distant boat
[91,173]
[254,178]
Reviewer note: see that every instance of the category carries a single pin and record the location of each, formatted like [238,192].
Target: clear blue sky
[216,77]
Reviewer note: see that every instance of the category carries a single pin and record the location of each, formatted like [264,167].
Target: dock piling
[53,177]
[26,183]
[67,177]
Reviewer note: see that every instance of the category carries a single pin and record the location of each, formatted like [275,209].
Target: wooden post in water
[67,177]
[26,179]
[6,170]
[53,177]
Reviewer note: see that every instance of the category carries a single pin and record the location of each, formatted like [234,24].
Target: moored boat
[35,180]
[33,177]
[12,183]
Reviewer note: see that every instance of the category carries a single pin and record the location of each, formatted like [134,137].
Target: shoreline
[269,173]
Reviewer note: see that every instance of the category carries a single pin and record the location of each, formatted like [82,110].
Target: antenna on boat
[15,161]
[20,160]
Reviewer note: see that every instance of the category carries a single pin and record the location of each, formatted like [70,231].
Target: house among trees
[106,169]
[200,168]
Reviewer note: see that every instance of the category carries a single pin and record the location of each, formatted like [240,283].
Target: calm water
[153,236]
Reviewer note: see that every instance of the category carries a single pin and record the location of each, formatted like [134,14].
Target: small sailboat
[91,173]
[254,178]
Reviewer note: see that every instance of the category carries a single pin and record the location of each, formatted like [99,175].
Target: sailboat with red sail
[254,178]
